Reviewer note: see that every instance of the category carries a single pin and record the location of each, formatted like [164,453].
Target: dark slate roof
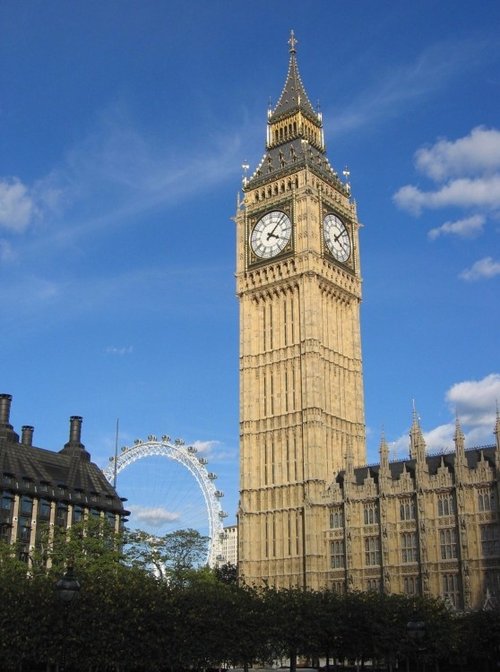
[294,96]
[28,469]
[434,461]
[287,158]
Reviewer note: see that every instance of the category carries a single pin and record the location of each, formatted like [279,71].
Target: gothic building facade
[42,488]
[310,513]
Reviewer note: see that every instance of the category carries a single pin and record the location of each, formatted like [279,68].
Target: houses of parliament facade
[311,513]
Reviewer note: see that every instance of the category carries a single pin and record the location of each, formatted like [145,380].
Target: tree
[227,573]
[171,556]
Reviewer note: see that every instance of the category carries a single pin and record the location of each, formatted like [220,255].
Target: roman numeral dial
[337,238]
[271,234]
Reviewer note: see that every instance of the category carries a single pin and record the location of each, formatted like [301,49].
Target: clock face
[336,237]
[271,234]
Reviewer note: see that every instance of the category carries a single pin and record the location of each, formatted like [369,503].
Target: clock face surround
[271,234]
[337,238]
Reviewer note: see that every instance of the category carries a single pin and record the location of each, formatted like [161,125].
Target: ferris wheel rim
[186,456]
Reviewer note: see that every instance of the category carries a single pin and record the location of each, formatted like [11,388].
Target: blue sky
[124,126]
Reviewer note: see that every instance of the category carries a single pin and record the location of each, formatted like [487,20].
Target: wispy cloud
[484,268]
[205,448]
[469,227]
[111,177]
[155,516]
[120,351]
[17,205]
[412,83]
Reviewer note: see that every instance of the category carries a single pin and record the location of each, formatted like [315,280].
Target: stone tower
[301,381]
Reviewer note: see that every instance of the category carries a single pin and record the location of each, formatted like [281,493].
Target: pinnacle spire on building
[293,96]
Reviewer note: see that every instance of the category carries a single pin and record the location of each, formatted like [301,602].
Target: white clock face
[271,234]
[336,237]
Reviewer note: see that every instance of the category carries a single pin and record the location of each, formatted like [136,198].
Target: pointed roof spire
[496,432]
[294,96]
[417,442]
[384,457]
[459,435]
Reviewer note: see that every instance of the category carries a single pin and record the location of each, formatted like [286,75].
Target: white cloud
[205,447]
[484,268]
[463,228]
[152,516]
[474,403]
[119,350]
[17,207]
[478,152]
[6,251]
[479,192]
[467,173]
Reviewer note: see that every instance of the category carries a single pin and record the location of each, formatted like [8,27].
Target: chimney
[5,401]
[75,446]
[75,431]
[27,435]
[6,429]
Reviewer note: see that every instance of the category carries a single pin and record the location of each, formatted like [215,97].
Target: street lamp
[416,633]
[67,589]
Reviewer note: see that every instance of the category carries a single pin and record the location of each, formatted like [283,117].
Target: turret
[417,444]
[460,461]
[496,432]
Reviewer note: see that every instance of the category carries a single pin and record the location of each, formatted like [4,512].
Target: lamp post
[67,589]
[416,633]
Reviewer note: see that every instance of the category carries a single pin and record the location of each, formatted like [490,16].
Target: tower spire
[295,136]
[293,96]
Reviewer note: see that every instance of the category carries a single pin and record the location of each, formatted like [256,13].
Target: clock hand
[278,223]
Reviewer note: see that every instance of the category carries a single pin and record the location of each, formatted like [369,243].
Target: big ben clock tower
[301,385]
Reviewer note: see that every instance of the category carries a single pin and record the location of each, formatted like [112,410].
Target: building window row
[490,540]
[372,551]
[373,585]
[446,505]
[337,554]
[410,585]
[448,543]
[486,500]
[450,589]
[407,509]
[336,518]
[370,513]
[409,551]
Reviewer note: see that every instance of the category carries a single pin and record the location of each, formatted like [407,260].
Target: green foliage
[227,573]
[172,556]
[89,546]
[126,619]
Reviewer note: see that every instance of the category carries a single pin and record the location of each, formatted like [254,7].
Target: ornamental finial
[292,42]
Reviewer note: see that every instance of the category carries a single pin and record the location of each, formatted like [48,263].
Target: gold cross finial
[292,42]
